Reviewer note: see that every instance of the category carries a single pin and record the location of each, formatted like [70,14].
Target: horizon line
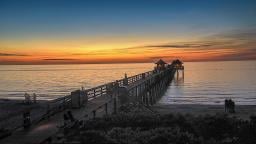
[119,62]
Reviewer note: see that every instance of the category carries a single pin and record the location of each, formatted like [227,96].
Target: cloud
[108,52]
[59,59]
[232,45]
[202,44]
[92,53]
[240,34]
[160,57]
[194,44]
[244,54]
[12,54]
[225,39]
[191,45]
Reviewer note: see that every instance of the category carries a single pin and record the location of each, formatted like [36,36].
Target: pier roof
[177,62]
[160,62]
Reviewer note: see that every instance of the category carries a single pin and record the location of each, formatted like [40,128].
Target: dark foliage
[174,129]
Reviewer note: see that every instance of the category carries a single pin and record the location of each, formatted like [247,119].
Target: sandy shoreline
[242,111]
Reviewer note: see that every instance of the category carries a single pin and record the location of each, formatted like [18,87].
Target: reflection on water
[51,81]
[212,82]
[178,79]
[204,82]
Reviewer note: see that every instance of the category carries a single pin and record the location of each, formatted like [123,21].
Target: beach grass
[176,124]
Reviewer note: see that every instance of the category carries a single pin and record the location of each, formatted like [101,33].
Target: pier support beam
[183,74]
[94,114]
[106,108]
[124,95]
[115,106]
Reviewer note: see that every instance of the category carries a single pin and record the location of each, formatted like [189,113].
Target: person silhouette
[70,115]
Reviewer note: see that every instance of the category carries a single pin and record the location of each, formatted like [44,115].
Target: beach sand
[11,112]
[242,111]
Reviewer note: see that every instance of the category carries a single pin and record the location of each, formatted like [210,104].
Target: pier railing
[138,77]
[62,103]
[106,89]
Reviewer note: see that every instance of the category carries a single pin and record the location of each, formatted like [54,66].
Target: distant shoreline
[118,62]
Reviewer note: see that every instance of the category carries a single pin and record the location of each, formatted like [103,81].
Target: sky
[124,31]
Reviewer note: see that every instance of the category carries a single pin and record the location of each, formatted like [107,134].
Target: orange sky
[50,32]
[124,50]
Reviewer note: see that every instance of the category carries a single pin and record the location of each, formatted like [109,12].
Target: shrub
[175,129]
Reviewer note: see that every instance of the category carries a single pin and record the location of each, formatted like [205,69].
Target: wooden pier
[145,89]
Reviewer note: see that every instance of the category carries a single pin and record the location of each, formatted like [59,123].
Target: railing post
[26,119]
[136,90]
[85,97]
[125,80]
[48,111]
[183,73]
[94,114]
[147,99]
[64,103]
[151,97]
[144,97]
[139,93]
[109,89]
[143,75]
[115,107]
[106,108]
[123,95]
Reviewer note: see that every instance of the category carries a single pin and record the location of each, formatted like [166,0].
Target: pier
[143,89]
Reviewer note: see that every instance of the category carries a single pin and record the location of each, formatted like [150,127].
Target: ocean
[203,83]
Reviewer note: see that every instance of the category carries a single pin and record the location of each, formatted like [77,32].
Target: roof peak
[160,61]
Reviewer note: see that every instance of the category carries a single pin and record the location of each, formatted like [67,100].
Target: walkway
[46,128]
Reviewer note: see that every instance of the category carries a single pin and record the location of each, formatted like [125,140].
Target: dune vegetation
[142,128]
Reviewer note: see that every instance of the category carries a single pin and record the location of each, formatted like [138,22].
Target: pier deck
[48,127]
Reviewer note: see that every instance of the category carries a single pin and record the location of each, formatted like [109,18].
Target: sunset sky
[116,31]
